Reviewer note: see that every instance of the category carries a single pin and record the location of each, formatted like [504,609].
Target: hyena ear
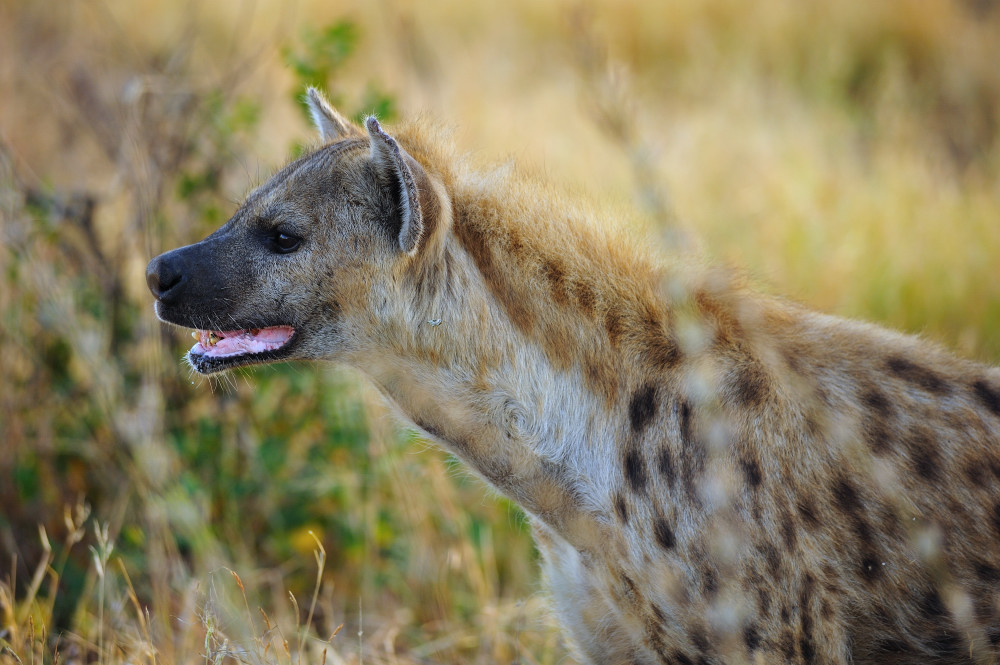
[328,122]
[391,163]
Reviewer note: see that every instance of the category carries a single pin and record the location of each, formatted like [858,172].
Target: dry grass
[846,154]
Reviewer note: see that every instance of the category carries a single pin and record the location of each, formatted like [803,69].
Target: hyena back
[712,476]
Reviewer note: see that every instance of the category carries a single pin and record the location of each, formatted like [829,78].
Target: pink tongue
[242,341]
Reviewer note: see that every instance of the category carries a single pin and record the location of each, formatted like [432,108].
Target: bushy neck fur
[512,331]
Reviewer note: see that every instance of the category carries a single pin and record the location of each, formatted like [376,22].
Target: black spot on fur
[687,435]
[918,375]
[699,640]
[664,534]
[642,408]
[996,518]
[750,385]
[709,580]
[634,467]
[751,470]
[877,436]
[976,474]
[871,569]
[808,585]
[845,496]
[693,453]
[925,454]
[807,508]
[788,533]
[876,402]
[879,413]
[987,572]
[665,465]
[932,608]
[988,395]
[806,646]
[770,553]
[621,508]
[751,637]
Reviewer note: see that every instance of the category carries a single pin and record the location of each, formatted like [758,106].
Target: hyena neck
[510,347]
[453,364]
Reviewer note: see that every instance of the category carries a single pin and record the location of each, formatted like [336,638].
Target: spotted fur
[713,476]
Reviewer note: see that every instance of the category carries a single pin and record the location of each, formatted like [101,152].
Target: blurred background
[844,154]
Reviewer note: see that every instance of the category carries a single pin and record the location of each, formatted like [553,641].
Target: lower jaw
[207,364]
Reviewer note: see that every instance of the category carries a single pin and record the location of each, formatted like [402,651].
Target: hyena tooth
[213,339]
[197,337]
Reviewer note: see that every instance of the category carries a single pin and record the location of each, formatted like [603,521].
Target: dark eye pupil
[285,242]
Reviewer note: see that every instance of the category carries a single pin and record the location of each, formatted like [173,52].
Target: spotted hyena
[713,476]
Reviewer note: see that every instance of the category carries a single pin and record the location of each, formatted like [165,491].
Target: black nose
[164,277]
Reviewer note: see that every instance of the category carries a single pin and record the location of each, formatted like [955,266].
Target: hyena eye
[284,243]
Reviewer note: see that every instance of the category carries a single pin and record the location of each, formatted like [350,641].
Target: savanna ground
[844,153]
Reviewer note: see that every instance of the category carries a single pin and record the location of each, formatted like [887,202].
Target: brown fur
[713,476]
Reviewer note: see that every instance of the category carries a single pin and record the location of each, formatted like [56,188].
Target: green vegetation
[847,154]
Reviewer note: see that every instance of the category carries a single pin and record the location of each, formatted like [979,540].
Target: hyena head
[308,256]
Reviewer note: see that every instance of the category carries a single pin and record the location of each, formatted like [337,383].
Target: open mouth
[217,350]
